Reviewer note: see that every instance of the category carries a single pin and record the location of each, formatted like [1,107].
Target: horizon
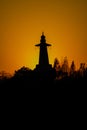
[22,23]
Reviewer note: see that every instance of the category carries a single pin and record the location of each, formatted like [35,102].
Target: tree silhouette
[82,69]
[4,75]
[56,65]
[57,68]
[24,71]
[72,69]
[65,67]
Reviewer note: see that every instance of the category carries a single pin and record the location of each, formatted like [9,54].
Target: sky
[22,22]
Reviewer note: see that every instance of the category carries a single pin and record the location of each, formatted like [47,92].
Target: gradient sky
[64,23]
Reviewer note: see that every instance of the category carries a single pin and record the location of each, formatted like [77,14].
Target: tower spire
[42,33]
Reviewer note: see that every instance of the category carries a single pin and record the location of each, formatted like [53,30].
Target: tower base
[40,68]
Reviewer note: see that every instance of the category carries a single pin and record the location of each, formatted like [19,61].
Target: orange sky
[64,23]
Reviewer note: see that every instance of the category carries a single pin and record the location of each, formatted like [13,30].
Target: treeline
[64,70]
[60,76]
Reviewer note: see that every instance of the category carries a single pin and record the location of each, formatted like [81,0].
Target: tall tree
[65,66]
[72,68]
[82,69]
[56,64]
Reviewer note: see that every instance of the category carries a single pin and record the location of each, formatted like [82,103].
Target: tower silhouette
[43,55]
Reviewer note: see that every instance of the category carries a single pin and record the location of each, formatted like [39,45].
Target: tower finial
[42,33]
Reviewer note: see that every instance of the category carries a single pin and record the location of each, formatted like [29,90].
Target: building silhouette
[43,55]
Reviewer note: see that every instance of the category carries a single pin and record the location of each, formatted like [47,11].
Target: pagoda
[43,55]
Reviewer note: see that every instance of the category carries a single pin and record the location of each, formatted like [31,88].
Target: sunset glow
[22,22]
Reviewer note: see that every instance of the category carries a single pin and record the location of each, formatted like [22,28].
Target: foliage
[60,75]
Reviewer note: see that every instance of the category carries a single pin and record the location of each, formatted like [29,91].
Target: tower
[43,55]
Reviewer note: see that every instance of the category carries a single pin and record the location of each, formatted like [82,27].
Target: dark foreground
[65,83]
[34,79]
